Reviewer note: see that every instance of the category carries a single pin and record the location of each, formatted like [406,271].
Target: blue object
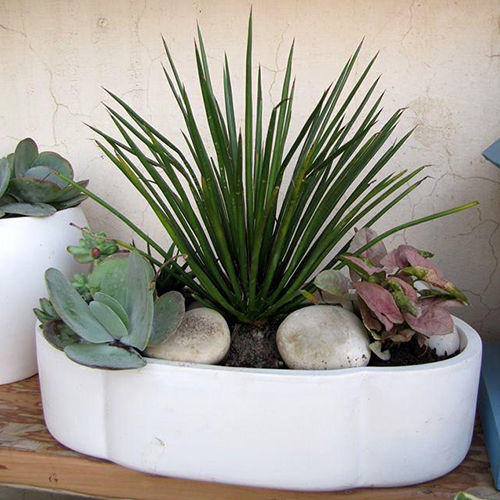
[493,153]
[489,405]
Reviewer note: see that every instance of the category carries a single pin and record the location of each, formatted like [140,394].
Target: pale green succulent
[29,185]
[120,319]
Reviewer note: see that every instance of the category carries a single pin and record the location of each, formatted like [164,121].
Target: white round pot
[304,430]
[28,246]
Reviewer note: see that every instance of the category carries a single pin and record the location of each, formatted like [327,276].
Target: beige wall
[439,58]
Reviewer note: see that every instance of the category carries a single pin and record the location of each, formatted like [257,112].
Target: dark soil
[255,347]
[409,353]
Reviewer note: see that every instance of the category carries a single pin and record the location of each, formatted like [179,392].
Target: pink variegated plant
[400,295]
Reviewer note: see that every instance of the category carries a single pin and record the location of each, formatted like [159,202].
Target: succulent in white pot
[36,210]
[256,216]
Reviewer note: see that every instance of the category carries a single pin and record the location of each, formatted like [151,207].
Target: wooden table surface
[30,456]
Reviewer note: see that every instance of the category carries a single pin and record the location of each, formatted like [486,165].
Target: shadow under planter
[289,429]
[29,245]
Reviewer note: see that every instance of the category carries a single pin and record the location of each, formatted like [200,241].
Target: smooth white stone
[445,344]
[202,337]
[323,337]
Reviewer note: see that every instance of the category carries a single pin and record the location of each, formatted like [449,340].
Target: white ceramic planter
[28,246]
[304,430]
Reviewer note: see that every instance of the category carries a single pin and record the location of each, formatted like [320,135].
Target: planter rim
[28,219]
[469,351]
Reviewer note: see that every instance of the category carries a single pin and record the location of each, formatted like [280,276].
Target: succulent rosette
[30,183]
[399,294]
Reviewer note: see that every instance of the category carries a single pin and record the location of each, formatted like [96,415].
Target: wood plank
[30,456]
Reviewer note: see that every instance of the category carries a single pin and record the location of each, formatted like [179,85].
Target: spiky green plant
[253,241]
[29,184]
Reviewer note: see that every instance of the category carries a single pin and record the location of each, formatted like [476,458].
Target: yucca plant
[251,240]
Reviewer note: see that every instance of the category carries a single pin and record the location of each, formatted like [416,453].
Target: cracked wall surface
[440,59]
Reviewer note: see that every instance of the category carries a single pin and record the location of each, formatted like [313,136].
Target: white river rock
[202,337]
[323,337]
[445,344]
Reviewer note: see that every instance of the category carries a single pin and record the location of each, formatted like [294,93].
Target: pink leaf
[380,302]
[368,318]
[408,290]
[363,237]
[434,319]
[368,268]
[406,255]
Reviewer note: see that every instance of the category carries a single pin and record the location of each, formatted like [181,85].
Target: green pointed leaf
[168,314]
[34,190]
[72,309]
[111,302]
[29,209]
[5,176]
[104,356]
[309,296]
[108,318]
[54,161]
[463,495]
[24,156]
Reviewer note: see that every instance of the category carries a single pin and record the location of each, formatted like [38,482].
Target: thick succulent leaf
[168,313]
[71,192]
[10,163]
[104,356]
[47,307]
[29,209]
[7,199]
[111,302]
[34,190]
[140,304]
[1,214]
[110,277]
[59,335]
[333,282]
[5,175]
[72,309]
[108,318]
[45,174]
[24,156]
[73,202]
[54,161]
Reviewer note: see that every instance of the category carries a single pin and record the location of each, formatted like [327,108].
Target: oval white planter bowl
[303,430]
[28,246]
